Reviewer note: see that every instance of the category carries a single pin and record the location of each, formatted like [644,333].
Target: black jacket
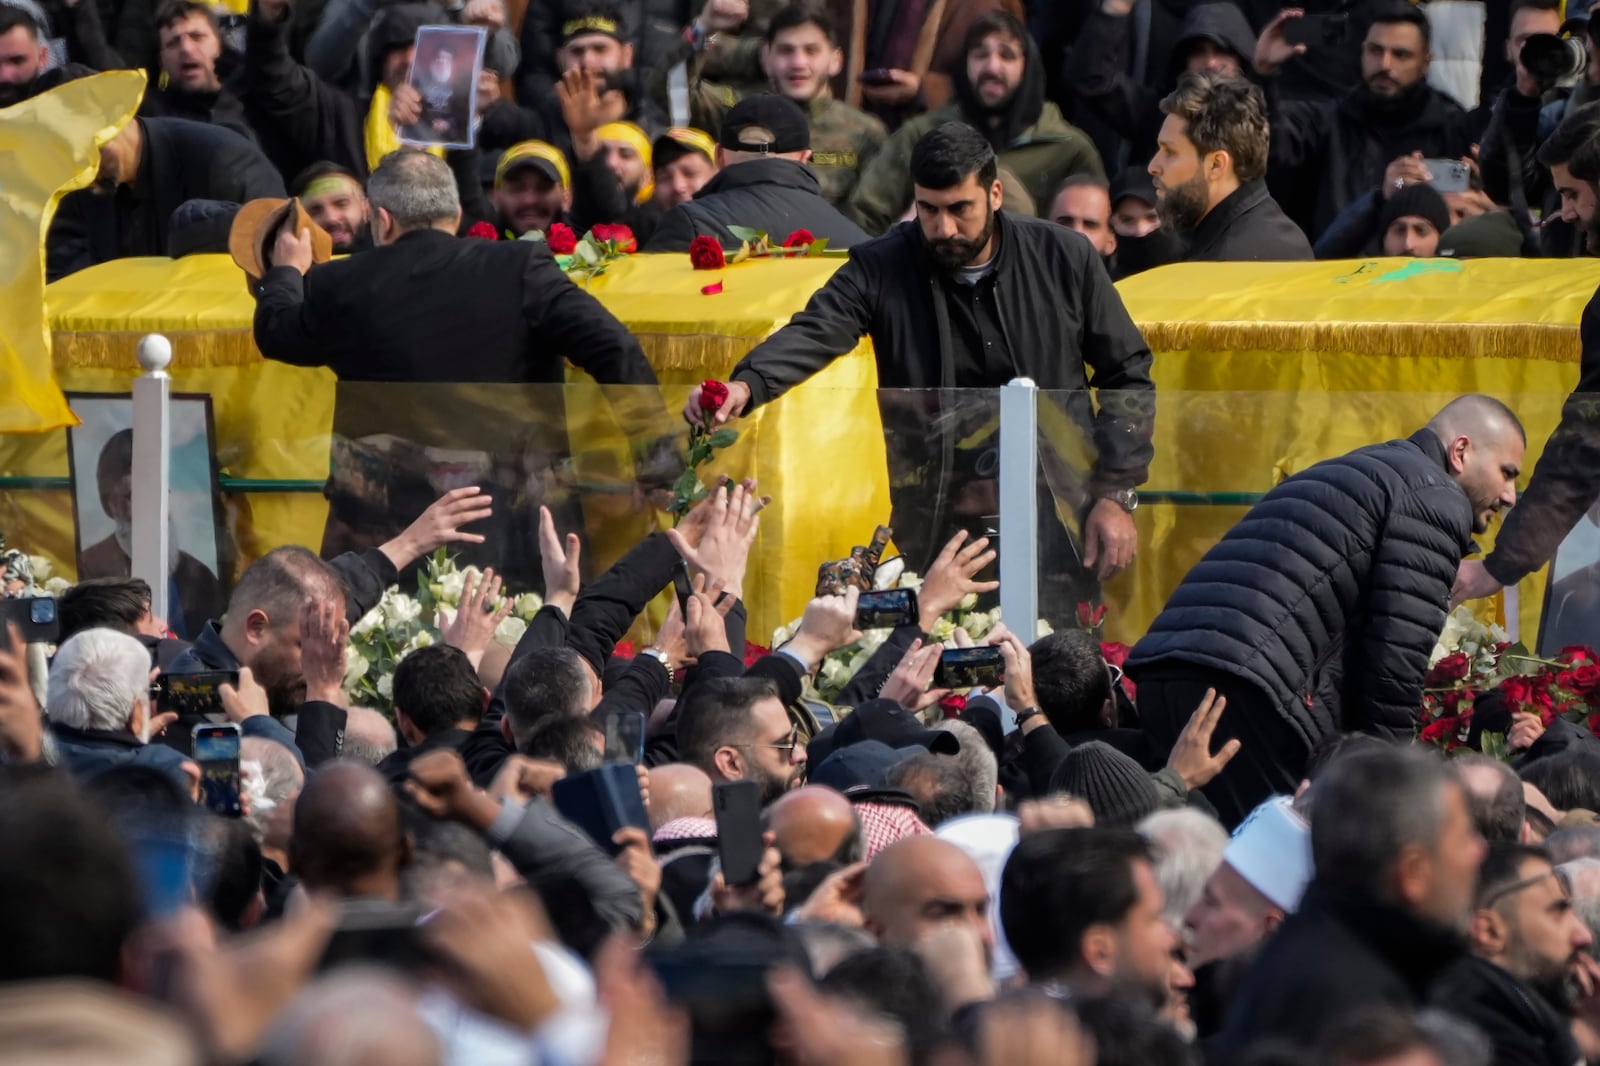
[435,307]
[1566,480]
[1101,73]
[396,766]
[775,196]
[1524,1029]
[220,108]
[1341,953]
[299,118]
[1338,151]
[1058,310]
[1247,225]
[181,160]
[1329,594]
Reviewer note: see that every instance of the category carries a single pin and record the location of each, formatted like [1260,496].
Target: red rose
[1439,732]
[1090,616]
[1594,724]
[623,649]
[1450,668]
[800,238]
[706,254]
[1114,652]
[1518,692]
[953,704]
[484,230]
[561,239]
[1586,679]
[713,394]
[754,653]
[1577,655]
[617,234]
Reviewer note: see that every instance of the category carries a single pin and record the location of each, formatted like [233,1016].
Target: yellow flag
[49,145]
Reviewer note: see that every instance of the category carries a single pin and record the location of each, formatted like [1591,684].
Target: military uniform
[843,139]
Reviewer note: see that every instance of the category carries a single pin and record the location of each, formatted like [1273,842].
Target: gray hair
[1457,1041]
[1573,842]
[979,768]
[417,189]
[1189,846]
[1372,805]
[97,680]
[355,1014]
[275,778]
[368,736]
[1584,877]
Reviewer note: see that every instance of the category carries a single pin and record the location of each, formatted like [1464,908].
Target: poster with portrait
[1572,595]
[100,457]
[444,71]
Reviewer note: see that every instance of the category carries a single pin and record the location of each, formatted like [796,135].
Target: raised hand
[558,558]
[722,551]
[828,625]
[1191,756]
[706,627]
[439,525]
[477,618]
[324,633]
[908,684]
[950,579]
[1273,49]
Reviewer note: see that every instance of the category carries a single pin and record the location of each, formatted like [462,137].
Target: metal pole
[1019,511]
[152,440]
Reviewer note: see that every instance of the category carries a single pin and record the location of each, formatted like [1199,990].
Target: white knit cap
[1271,850]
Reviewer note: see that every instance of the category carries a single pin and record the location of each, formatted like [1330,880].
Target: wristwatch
[1027,713]
[1127,499]
[666,662]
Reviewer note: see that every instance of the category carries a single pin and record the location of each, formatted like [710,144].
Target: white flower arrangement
[400,624]
[1475,638]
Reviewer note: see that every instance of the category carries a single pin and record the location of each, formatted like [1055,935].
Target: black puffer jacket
[1330,593]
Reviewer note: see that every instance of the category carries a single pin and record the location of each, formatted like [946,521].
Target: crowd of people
[1225,849]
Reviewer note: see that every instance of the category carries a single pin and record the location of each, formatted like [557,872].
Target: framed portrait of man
[1572,594]
[100,457]
[444,71]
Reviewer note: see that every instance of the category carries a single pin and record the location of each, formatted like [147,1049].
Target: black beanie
[1116,788]
[1423,201]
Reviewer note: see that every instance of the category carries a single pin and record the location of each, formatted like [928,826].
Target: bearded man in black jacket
[968,296]
[1317,613]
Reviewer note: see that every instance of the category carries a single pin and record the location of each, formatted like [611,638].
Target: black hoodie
[1016,114]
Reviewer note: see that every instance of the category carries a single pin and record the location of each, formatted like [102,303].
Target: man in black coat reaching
[763,183]
[1316,614]
[1209,172]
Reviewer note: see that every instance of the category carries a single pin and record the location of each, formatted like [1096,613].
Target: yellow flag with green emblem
[49,145]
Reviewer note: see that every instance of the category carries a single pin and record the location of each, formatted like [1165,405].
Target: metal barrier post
[152,440]
[1019,510]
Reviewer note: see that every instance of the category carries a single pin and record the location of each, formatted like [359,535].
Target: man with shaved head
[919,884]
[348,840]
[1316,614]
[815,824]
[678,790]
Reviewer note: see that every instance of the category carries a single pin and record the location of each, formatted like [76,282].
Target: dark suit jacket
[434,307]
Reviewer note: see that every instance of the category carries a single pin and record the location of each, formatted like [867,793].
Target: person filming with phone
[1341,150]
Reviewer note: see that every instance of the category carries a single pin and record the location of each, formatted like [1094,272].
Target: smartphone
[601,801]
[1449,175]
[193,695]
[886,609]
[683,587]
[1317,31]
[625,737]
[375,932]
[34,617]
[876,76]
[737,806]
[216,750]
[970,668]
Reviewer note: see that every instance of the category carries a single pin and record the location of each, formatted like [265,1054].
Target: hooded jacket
[775,196]
[1337,151]
[1034,142]
[1329,594]
[1103,60]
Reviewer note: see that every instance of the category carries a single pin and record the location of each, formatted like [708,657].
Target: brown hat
[256,227]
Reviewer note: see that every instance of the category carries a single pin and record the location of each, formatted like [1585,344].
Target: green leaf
[1494,746]
[741,255]
[685,483]
[745,233]
[817,247]
[722,438]
[587,253]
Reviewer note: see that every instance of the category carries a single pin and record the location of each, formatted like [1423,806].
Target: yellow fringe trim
[1406,340]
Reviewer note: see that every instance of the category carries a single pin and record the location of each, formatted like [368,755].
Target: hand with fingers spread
[439,525]
[639,863]
[950,579]
[1191,756]
[1273,49]
[908,684]
[324,632]
[522,779]
[558,559]
[21,728]
[476,617]
[706,628]
[723,550]
[837,901]
[486,941]
[822,1030]
[586,105]
[247,700]
[828,625]
[765,893]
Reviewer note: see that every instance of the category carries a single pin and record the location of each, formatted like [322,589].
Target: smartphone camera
[886,609]
[970,668]
[42,611]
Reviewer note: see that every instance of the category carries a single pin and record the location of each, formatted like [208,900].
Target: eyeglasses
[789,743]
[1518,886]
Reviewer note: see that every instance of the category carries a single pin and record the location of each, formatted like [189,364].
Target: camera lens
[1554,60]
[42,612]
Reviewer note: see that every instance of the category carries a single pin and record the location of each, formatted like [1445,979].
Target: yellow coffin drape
[1261,370]
[49,145]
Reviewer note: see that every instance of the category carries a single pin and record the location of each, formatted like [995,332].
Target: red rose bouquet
[705,253]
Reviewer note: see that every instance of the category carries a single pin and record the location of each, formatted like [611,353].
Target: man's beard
[1184,205]
[772,785]
[1591,233]
[13,92]
[953,253]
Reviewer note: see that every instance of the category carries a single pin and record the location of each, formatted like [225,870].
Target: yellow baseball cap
[547,157]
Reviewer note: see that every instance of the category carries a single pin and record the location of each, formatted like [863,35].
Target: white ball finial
[155,353]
